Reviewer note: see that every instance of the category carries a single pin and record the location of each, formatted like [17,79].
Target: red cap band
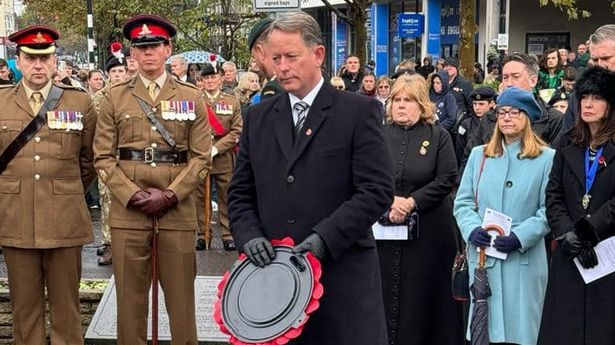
[149,30]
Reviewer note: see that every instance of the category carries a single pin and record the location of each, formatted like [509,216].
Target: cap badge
[478,97]
[563,96]
[39,38]
[145,30]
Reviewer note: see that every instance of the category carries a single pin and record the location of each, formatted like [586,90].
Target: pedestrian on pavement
[117,73]
[444,100]
[602,53]
[45,221]
[383,89]
[152,155]
[226,127]
[460,87]
[416,276]
[509,175]
[321,178]
[580,213]
[427,68]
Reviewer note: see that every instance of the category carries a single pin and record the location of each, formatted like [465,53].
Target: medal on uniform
[63,122]
[164,110]
[590,175]
[191,114]
[51,119]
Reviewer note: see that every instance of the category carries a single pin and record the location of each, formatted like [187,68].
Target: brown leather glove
[138,196]
[157,203]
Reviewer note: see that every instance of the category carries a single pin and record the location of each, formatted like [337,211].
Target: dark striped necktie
[301,109]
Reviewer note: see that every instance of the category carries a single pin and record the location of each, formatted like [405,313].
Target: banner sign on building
[275,5]
[410,25]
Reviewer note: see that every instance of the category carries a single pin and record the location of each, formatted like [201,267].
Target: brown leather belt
[152,155]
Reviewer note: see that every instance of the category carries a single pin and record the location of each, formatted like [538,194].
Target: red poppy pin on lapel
[602,161]
[308,132]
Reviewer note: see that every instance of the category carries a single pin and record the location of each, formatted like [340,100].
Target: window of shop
[402,48]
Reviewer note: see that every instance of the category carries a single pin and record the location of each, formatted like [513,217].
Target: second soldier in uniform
[226,125]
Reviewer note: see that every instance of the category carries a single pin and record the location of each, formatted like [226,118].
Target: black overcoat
[417,273]
[337,181]
[575,313]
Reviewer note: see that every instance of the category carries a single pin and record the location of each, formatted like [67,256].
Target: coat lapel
[282,126]
[316,116]
[575,158]
[138,89]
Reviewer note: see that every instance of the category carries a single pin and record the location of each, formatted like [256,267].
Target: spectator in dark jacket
[427,68]
[460,86]
[439,94]
[483,104]
[352,73]
[368,85]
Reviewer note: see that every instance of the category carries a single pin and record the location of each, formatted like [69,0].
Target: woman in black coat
[416,274]
[581,214]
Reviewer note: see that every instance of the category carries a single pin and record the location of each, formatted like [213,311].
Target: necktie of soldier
[300,109]
[37,101]
[153,89]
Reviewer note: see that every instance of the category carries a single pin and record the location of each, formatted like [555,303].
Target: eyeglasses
[513,113]
[383,87]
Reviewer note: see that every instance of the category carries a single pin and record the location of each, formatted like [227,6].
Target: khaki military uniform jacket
[228,112]
[42,201]
[123,124]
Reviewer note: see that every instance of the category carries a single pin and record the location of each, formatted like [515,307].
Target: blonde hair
[244,80]
[337,81]
[416,88]
[531,144]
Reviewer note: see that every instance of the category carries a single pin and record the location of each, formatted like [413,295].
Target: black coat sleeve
[558,216]
[432,193]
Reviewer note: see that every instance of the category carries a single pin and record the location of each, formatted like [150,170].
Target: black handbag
[460,279]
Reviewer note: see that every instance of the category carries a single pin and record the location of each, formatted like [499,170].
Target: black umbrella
[479,326]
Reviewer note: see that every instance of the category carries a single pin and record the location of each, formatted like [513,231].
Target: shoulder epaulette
[70,87]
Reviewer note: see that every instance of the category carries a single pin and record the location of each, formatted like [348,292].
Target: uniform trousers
[29,272]
[222,182]
[132,267]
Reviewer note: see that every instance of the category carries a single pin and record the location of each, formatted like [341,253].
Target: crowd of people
[285,150]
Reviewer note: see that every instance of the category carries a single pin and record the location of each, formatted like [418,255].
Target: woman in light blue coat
[509,175]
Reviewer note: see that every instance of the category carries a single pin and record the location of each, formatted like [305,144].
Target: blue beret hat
[522,100]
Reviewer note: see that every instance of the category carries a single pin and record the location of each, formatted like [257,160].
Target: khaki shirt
[123,124]
[42,201]
[228,111]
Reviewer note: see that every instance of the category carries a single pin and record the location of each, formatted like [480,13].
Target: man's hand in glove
[137,197]
[157,203]
[480,237]
[507,244]
[588,258]
[313,243]
[259,251]
[571,244]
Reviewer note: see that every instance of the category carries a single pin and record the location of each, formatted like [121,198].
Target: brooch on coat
[423,149]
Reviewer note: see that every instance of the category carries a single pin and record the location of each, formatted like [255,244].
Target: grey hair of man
[301,22]
[181,59]
[229,64]
[530,62]
[603,33]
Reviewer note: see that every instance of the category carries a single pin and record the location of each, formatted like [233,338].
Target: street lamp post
[90,20]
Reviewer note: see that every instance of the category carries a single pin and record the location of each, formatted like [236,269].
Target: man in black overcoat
[323,180]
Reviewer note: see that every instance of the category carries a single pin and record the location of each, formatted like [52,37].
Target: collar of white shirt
[309,98]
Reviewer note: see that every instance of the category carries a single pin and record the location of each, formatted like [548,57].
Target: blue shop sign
[410,25]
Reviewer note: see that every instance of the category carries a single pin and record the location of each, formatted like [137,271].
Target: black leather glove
[480,237]
[138,196]
[157,203]
[313,243]
[507,244]
[259,251]
[588,258]
[571,244]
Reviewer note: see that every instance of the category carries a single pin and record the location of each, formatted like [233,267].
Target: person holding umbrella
[580,212]
[509,175]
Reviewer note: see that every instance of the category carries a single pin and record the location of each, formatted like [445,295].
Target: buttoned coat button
[37,177]
[290,179]
[37,158]
[37,139]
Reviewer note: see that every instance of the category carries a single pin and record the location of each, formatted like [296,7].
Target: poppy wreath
[291,333]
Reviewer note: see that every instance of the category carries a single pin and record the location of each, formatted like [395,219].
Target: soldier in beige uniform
[151,181]
[117,73]
[226,125]
[44,221]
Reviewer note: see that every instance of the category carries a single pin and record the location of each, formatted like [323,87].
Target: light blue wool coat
[518,283]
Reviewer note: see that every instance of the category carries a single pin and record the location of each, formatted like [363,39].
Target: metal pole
[90,23]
